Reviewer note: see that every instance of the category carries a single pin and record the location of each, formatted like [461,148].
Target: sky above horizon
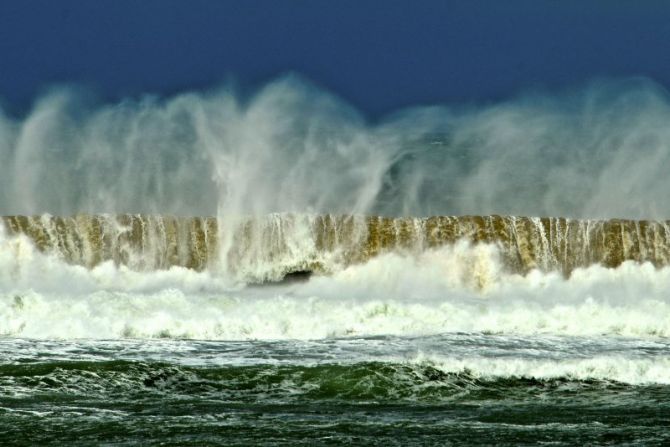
[378,55]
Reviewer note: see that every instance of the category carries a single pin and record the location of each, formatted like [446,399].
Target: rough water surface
[126,330]
[279,269]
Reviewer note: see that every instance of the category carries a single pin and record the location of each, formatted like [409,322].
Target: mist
[598,151]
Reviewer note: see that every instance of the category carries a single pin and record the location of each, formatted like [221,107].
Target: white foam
[461,288]
[607,368]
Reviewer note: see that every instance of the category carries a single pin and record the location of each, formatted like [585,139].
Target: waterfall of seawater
[268,248]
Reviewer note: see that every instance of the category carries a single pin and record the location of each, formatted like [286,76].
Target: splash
[598,152]
[459,288]
[269,247]
[292,178]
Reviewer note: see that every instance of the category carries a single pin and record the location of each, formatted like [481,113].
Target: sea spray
[597,153]
[293,148]
[150,303]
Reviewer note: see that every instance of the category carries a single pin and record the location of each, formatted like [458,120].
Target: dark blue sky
[379,55]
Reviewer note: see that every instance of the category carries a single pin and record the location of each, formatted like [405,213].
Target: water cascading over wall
[269,247]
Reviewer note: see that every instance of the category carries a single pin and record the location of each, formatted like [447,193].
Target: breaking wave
[296,181]
[460,287]
[423,381]
[266,248]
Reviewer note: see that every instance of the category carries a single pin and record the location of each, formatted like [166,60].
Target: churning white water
[600,152]
[459,288]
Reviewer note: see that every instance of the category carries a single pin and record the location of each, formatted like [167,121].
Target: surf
[267,248]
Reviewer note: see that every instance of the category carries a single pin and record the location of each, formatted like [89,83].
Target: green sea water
[440,346]
[452,389]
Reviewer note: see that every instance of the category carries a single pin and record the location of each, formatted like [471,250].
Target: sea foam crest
[454,288]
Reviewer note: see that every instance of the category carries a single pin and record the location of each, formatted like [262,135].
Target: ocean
[424,342]
[211,269]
